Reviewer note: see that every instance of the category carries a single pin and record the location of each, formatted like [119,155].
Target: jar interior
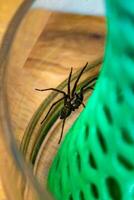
[44,49]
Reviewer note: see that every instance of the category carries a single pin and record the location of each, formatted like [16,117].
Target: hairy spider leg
[84,87]
[51,108]
[75,84]
[83,104]
[69,80]
[62,130]
[82,101]
[54,89]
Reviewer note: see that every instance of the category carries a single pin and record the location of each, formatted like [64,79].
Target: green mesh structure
[96,158]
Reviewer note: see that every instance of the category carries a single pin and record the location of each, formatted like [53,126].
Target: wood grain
[67,40]
[44,49]
[7,9]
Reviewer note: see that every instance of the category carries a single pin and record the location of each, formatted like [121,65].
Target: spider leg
[83,104]
[75,84]
[51,109]
[87,88]
[69,79]
[84,87]
[54,89]
[62,130]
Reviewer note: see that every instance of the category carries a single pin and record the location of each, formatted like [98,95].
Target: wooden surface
[7,9]
[65,41]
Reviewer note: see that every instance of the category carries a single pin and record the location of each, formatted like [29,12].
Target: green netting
[96,158]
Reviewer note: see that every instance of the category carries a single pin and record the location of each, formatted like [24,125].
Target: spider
[72,99]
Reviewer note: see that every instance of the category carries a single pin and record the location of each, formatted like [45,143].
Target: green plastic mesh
[96,158]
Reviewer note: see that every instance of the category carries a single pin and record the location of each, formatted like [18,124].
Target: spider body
[66,110]
[77,100]
[71,105]
[72,99]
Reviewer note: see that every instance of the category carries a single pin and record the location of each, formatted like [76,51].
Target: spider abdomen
[65,111]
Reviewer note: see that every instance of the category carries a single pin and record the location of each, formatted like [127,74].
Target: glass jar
[38,50]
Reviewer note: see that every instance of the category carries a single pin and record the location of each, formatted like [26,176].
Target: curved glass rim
[5,49]
[6,125]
